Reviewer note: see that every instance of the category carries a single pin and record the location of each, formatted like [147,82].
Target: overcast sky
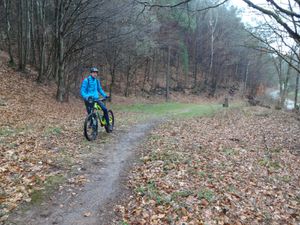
[252,17]
[249,15]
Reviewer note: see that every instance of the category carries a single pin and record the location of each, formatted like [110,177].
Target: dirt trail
[93,203]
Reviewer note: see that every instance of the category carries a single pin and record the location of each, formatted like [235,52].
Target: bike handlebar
[103,99]
[91,100]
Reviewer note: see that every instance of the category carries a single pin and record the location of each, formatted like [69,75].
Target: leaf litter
[239,167]
[37,136]
[42,147]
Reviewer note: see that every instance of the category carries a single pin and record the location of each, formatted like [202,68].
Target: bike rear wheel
[91,127]
[111,122]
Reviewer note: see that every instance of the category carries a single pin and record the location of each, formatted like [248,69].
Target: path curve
[93,203]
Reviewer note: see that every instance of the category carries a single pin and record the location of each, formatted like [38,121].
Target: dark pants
[89,108]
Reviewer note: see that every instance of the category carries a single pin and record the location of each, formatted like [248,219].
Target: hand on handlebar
[90,99]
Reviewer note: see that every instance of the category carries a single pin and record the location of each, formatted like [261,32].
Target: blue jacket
[91,87]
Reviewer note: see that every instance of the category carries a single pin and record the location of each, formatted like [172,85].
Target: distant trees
[7,9]
[280,37]
[286,15]
[193,46]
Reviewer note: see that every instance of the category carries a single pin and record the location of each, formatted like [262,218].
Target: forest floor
[41,141]
[240,166]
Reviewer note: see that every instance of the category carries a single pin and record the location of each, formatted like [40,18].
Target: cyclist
[90,89]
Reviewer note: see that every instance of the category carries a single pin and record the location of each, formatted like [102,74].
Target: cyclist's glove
[90,99]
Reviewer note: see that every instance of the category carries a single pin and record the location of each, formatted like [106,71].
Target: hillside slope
[33,133]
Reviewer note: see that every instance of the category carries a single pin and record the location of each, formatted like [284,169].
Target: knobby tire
[111,121]
[91,127]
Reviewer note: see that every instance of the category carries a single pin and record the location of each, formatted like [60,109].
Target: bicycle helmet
[94,69]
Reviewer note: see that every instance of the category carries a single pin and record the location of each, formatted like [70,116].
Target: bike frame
[91,131]
[101,118]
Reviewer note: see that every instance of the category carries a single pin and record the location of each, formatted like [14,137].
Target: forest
[203,112]
[199,47]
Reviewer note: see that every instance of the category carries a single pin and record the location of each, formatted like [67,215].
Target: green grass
[53,131]
[266,162]
[207,194]
[6,132]
[181,194]
[229,152]
[124,223]
[49,186]
[172,109]
[151,191]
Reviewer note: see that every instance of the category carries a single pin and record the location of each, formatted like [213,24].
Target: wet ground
[93,203]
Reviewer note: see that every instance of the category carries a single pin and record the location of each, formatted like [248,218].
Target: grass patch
[286,178]
[181,194]
[4,132]
[167,157]
[50,184]
[231,189]
[53,131]
[229,152]
[206,194]
[65,160]
[172,109]
[151,191]
[202,174]
[266,162]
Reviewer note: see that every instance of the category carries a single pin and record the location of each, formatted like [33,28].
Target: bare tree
[7,5]
[40,19]
[285,17]
[213,21]
[141,41]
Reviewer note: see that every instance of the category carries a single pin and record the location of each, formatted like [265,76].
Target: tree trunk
[40,12]
[296,92]
[21,35]
[284,85]
[26,39]
[177,68]
[168,74]
[146,75]
[195,69]
[212,25]
[32,32]
[112,71]
[246,78]
[236,71]
[7,18]
[61,88]
[128,78]
[154,70]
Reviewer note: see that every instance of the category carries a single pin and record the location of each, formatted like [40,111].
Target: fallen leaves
[78,180]
[42,147]
[236,168]
[37,137]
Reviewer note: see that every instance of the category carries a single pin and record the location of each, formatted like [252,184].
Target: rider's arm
[83,89]
[100,90]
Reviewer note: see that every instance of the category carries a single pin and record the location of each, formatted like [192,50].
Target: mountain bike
[95,118]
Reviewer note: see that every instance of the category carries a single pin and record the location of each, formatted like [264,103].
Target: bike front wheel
[91,127]
[111,117]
